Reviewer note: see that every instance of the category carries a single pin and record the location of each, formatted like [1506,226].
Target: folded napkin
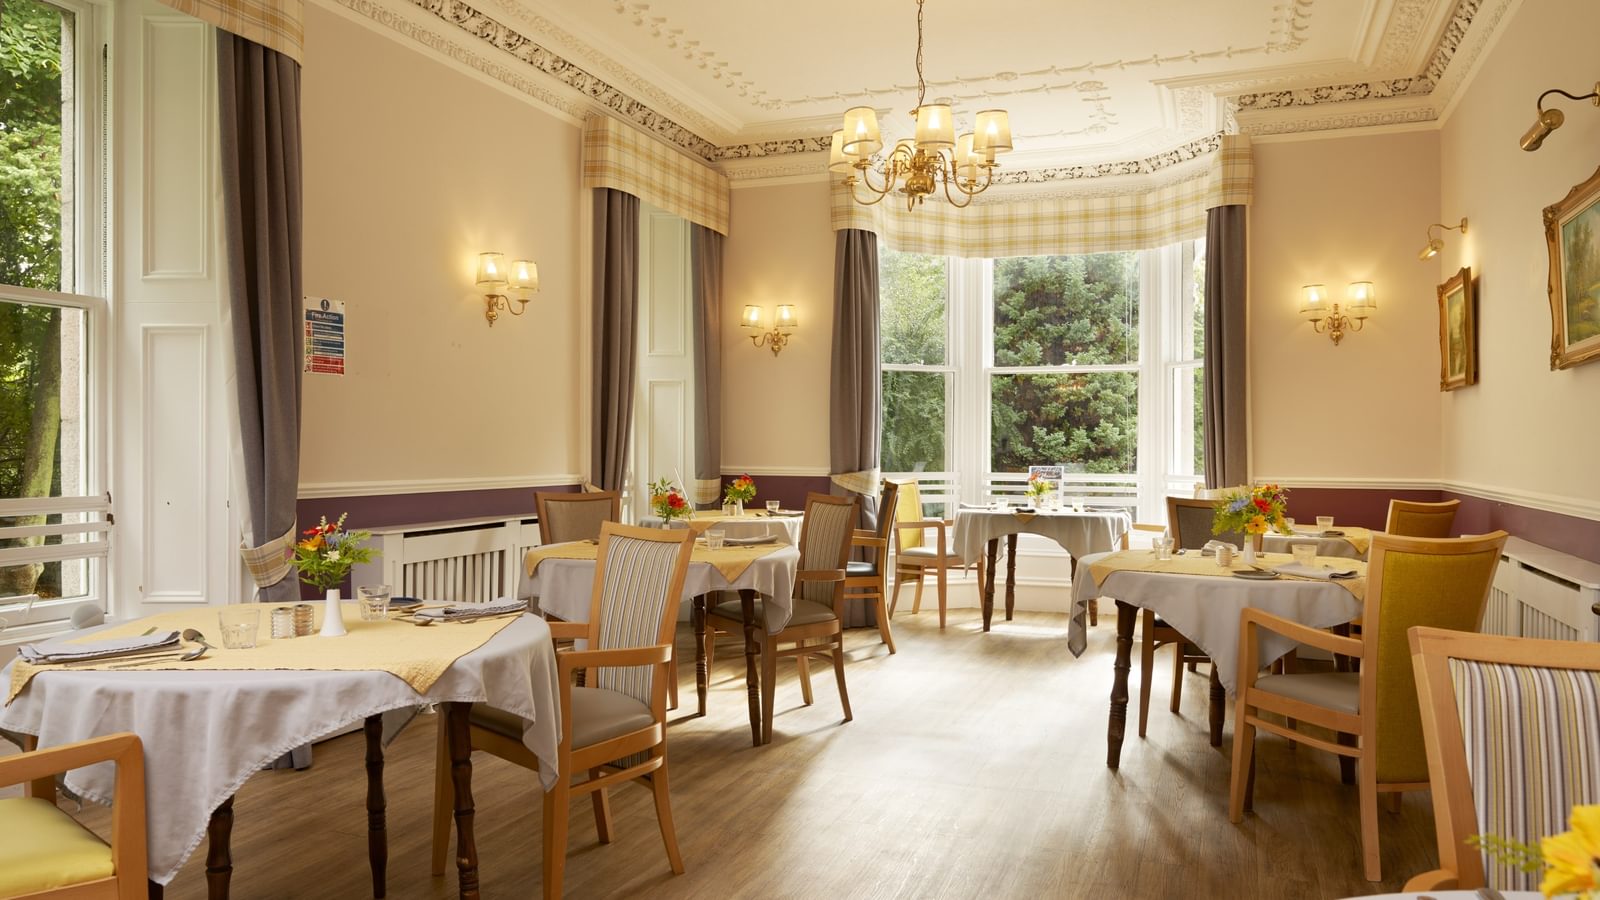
[1320,572]
[750,541]
[60,650]
[1211,548]
[463,612]
[788,512]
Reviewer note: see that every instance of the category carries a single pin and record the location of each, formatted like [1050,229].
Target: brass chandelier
[935,158]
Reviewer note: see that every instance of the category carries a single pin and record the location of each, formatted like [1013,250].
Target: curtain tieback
[707,490]
[269,563]
[866,482]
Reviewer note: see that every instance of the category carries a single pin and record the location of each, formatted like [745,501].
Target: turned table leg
[1011,574]
[988,582]
[377,828]
[702,675]
[752,648]
[1219,702]
[219,855]
[460,745]
[1118,720]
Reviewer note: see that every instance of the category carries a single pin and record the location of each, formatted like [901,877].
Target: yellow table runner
[415,655]
[730,561]
[1194,564]
[699,522]
[1359,538]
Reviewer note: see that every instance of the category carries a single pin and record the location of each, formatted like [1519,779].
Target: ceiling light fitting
[1550,119]
[935,158]
[1436,242]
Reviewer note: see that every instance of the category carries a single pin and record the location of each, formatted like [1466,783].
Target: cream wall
[775,409]
[1523,430]
[1334,211]
[411,169]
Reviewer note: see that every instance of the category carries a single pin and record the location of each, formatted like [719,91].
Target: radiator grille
[469,578]
[1536,624]
[1500,616]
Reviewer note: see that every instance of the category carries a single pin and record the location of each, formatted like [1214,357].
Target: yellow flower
[1573,858]
[1256,525]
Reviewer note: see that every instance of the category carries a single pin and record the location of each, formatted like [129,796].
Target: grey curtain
[856,395]
[1226,424]
[616,325]
[259,110]
[705,266]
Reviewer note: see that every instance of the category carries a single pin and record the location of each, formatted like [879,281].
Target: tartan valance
[619,156]
[274,24]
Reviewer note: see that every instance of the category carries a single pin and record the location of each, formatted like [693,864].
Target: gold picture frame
[1458,332]
[1572,233]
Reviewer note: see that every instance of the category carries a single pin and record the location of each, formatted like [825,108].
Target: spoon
[195,637]
[190,656]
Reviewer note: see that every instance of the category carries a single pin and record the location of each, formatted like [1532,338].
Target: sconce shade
[1363,299]
[993,135]
[1432,250]
[524,275]
[861,136]
[1313,300]
[752,317]
[785,318]
[838,163]
[935,130]
[1549,120]
[491,270]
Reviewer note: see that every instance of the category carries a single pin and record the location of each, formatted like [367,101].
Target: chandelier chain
[922,86]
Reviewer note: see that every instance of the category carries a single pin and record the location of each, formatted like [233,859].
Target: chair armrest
[870,540]
[1146,526]
[864,533]
[570,660]
[121,748]
[819,575]
[574,631]
[1304,634]
[1433,880]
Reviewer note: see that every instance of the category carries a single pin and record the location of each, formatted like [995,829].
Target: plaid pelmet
[619,156]
[274,24]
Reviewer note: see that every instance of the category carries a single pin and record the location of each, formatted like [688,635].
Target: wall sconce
[494,279]
[1361,301]
[1435,244]
[1550,119]
[784,324]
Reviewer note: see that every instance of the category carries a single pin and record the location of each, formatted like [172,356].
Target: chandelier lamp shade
[936,158]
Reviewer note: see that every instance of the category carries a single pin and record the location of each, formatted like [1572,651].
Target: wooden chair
[46,854]
[864,580]
[913,556]
[1439,582]
[1510,726]
[569,516]
[1429,520]
[815,628]
[615,729]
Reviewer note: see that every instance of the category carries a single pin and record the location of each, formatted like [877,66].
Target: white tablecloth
[1205,609]
[205,733]
[1272,542]
[565,587]
[1080,534]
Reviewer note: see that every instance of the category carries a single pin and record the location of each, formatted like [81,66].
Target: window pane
[1060,310]
[913,421]
[913,292]
[1089,422]
[1192,309]
[1188,424]
[43,450]
[35,175]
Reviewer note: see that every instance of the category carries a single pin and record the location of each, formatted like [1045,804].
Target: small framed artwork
[1458,332]
[1572,232]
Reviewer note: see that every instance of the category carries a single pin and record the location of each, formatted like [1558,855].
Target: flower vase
[1249,557]
[738,507]
[333,616]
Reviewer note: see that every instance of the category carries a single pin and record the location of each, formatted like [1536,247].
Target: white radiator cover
[1543,593]
[461,561]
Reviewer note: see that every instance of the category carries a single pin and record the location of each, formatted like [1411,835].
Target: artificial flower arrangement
[1571,860]
[1253,511]
[740,490]
[327,552]
[667,501]
[1039,487]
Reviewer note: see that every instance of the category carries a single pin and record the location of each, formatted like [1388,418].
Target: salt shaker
[282,622]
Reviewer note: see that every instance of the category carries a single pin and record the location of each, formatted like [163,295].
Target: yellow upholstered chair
[814,627]
[1438,582]
[45,853]
[615,729]
[567,517]
[1510,726]
[914,555]
[1429,520]
[869,580]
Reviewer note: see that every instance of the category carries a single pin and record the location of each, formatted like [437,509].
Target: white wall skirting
[432,485]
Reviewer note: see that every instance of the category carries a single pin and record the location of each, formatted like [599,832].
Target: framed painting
[1458,332]
[1572,232]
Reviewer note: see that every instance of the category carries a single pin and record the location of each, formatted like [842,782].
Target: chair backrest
[575,517]
[1433,582]
[638,584]
[888,508]
[825,542]
[1510,725]
[908,508]
[1189,523]
[1408,518]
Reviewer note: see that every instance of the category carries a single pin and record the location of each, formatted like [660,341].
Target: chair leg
[916,598]
[1244,749]
[1180,648]
[602,809]
[1147,662]
[444,796]
[1391,801]
[1367,788]
[669,834]
[838,675]
[899,579]
[942,580]
[804,667]
[1094,613]
[555,836]
[883,624]
[769,678]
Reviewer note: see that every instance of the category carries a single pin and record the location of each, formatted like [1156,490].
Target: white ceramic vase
[738,507]
[333,616]
[1249,556]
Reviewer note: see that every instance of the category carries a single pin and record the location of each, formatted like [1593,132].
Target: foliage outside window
[914,333]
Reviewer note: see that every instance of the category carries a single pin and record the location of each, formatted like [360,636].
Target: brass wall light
[1550,119]
[1436,242]
[494,279]
[784,323]
[1361,301]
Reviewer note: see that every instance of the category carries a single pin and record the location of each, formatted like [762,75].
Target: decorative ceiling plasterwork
[1149,165]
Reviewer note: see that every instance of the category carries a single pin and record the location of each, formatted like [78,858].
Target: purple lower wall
[790,490]
[1367,507]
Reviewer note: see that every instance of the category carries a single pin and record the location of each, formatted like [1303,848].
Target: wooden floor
[975,767]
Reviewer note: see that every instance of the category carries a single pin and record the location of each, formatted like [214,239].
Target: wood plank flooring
[975,767]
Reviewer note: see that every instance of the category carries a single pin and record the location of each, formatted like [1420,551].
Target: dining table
[1348,541]
[562,575]
[748,525]
[1203,601]
[209,724]
[1080,532]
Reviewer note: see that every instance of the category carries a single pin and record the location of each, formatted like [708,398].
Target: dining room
[615,449]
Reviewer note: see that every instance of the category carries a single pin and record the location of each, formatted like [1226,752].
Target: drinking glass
[714,538]
[374,602]
[1324,522]
[239,626]
[1305,554]
[728,509]
[1163,547]
[1288,522]
[773,506]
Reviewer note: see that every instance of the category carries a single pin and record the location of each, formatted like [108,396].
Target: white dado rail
[458,561]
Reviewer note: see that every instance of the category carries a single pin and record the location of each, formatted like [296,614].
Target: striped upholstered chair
[615,729]
[1410,581]
[1510,726]
[1412,519]
[815,628]
[567,517]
